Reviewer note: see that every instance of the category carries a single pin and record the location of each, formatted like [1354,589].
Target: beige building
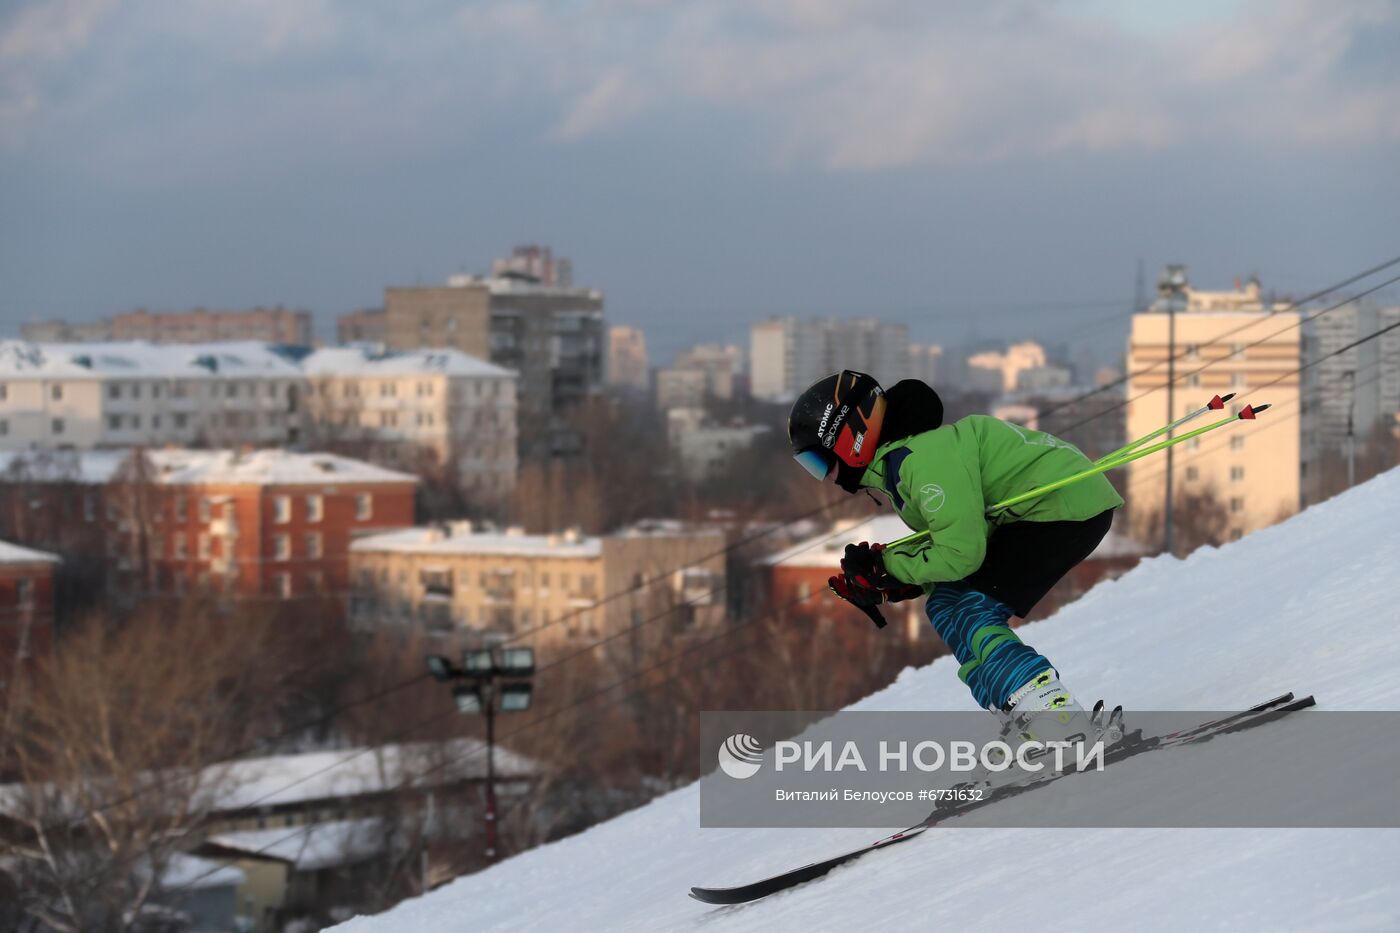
[267,325]
[1253,469]
[457,578]
[628,366]
[459,409]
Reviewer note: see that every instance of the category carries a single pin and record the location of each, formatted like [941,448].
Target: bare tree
[117,753]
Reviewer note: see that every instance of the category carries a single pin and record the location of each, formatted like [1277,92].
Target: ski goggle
[819,463]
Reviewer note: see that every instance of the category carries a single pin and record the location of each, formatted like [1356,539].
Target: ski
[1132,745]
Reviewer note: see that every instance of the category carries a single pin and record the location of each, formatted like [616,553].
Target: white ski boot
[1043,711]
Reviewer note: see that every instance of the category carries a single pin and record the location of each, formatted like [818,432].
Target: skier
[977,571]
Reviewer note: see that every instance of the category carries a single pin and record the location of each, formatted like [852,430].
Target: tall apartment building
[256,524]
[1253,469]
[401,405]
[789,354]
[554,337]
[136,393]
[363,326]
[265,325]
[538,263]
[628,366]
[457,578]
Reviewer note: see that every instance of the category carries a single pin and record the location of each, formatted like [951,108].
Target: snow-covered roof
[140,359]
[460,538]
[14,554]
[827,548]
[307,848]
[361,360]
[271,467]
[455,540]
[179,466]
[192,873]
[284,779]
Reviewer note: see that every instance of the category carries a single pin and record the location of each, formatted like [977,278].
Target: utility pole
[1168,536]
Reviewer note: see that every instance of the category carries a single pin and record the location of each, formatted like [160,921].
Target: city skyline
[928,166]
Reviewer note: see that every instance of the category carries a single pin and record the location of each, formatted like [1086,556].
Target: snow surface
[360,360]
[1308,605]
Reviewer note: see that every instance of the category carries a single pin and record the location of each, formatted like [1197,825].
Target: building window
[313,544]
[1193,381]
[180,509]
[4,427]
[281,547]
[315,507]
[204,546]
[114,422]
[181,420]
[315,581]
[57,425]
[1192,473]
[179,548]
[1193,351]
[283,583]
[56,393]
[282,509]
[4,391]
[89,507]
[1236,349]
[114,390]
[1236,473]
[1236,534]
[136,390]
[1238,380]
[1236,504]
[364,506]
[25,593]
[206,509]
[1237,443]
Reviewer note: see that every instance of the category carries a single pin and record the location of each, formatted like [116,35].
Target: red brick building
[247,524]
[798,575]
[26,606]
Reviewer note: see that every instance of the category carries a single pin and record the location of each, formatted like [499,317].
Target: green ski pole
[1215,404]
[1247,413]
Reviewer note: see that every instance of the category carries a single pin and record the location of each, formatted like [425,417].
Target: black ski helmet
[835,425]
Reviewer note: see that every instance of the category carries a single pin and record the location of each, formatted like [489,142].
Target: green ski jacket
[944,480]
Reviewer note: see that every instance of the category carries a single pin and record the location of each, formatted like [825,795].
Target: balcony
[223,528]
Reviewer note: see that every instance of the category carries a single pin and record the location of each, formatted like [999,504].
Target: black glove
[864,570]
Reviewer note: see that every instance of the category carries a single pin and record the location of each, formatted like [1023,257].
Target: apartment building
[136,393]
[267,524]
[1253,470]
[786,355]
[554,337]
[201,325]
[363,326]
[456,578]
[627,358]
[26,607]
[455,408]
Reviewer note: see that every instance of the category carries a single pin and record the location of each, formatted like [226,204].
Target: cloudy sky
[972,168]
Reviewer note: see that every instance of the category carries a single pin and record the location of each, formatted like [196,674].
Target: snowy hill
[1308,605]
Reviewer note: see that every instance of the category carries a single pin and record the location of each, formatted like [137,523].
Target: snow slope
[1308,605]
